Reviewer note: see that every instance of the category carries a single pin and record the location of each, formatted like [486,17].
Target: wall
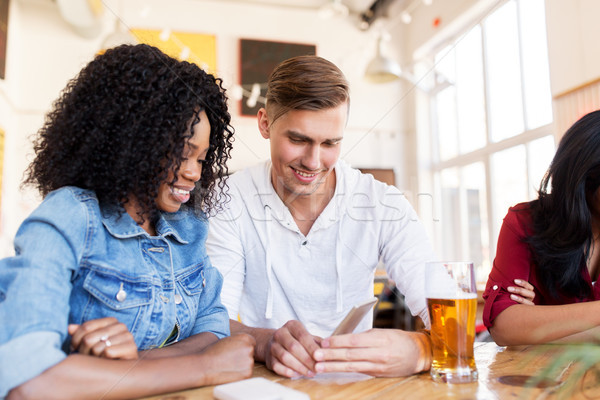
[44,53]
[573,48]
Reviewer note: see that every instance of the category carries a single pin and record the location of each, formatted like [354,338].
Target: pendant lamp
[382,69]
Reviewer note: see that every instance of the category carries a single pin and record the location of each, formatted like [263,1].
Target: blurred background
[459,103]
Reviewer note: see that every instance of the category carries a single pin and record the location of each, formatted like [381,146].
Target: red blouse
[513,261]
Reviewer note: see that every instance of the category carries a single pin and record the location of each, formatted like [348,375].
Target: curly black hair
[121,125]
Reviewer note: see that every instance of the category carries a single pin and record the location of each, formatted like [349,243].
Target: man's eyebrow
[300,136]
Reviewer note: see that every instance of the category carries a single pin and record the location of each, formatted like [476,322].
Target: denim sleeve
[212,314]
[35,287]
[27,356]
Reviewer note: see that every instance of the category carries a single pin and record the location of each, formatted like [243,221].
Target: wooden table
[502,373]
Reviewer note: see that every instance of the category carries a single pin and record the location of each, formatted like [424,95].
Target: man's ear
[263,123]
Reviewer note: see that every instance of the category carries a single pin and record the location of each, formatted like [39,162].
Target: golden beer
[452,336]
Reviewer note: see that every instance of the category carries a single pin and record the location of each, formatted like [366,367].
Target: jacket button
[178,298]
[121,294]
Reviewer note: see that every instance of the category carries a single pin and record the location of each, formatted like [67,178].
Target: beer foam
[458,295]
[439,284]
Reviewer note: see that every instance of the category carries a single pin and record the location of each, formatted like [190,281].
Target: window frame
[434,166]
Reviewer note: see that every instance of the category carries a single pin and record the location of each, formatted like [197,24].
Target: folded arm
[93,338]
[521,324]
[522,293]
[103,337]
[89,377]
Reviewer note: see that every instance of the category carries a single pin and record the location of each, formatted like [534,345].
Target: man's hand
[103,337]
[288,351]
[377,352]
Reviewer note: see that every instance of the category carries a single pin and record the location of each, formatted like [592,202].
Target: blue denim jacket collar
[121,225]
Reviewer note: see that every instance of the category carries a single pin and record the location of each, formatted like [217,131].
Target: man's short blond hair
[305,83]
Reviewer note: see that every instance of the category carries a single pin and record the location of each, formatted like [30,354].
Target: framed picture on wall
[258,58]
[3,36]
[197,48]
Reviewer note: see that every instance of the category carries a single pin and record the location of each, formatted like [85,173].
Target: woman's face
[172,196]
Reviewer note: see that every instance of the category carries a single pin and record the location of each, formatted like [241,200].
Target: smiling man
[299,241]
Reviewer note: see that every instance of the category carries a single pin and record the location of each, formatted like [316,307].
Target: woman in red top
[554,244]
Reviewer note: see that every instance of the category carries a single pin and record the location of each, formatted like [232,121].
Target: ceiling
[86,21]
[366,10]
[353,5]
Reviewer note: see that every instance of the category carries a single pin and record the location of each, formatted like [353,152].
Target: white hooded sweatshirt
[273,273]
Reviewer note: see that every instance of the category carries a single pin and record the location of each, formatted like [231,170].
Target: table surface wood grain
[503,374]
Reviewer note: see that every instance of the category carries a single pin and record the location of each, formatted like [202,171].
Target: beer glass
[452,301]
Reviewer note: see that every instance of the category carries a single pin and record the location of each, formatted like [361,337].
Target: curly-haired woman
[111,293]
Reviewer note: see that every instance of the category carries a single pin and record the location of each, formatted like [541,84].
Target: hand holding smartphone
[354,316]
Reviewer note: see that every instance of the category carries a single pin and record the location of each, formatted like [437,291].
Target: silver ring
[106,341]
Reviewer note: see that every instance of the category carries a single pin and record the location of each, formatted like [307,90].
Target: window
[491,135]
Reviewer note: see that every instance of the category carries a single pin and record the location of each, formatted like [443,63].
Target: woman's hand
[103,337]
[523,293]
[229,359]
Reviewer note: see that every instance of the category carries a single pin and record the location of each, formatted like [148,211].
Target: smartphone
[354,316]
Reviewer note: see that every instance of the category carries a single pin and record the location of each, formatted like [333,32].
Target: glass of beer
[452,301]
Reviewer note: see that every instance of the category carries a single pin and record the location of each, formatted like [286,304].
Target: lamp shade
[332,9]
[83,16]
[118,36]
[382,69]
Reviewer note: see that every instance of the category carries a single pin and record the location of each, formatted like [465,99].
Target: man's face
[305,146]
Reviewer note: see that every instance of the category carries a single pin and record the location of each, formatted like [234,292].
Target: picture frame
[197,48]
[258,58]
[3,36]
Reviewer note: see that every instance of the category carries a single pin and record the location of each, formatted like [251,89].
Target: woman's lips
[180,194]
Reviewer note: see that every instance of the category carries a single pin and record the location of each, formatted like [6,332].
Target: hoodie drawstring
[338,268]
[269,308]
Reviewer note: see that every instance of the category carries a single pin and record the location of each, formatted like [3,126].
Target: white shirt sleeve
[226,251]
[405,248]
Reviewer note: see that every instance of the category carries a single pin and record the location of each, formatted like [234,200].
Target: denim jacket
[76,261]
